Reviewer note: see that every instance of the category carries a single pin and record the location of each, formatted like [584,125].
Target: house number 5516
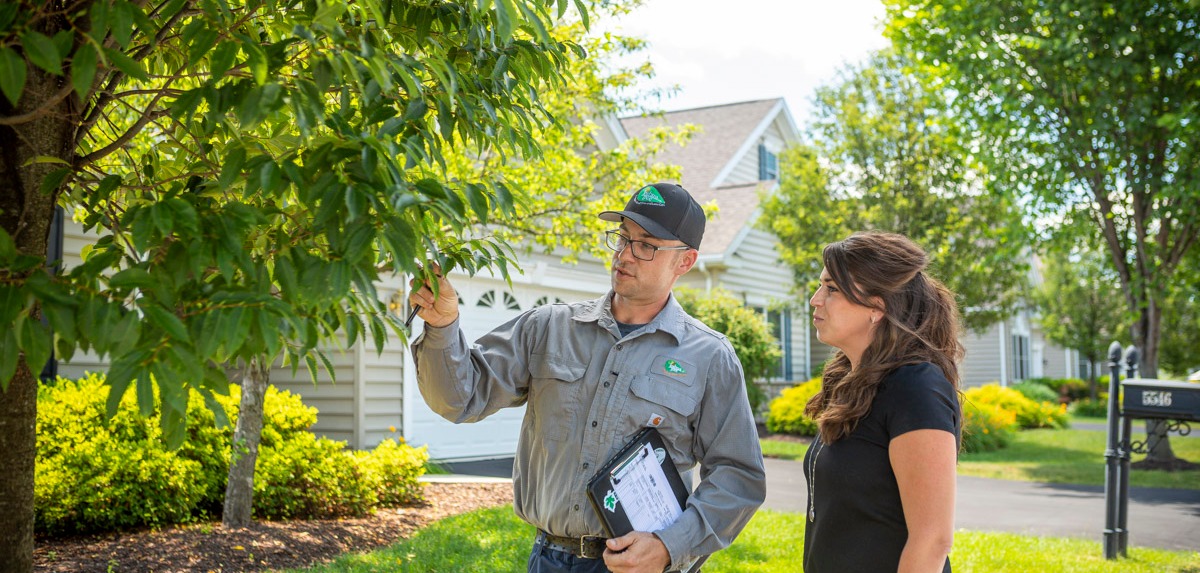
[1156,398]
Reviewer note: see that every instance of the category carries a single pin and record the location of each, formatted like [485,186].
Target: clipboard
[628,492]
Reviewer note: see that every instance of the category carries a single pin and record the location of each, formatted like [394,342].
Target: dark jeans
[545,560]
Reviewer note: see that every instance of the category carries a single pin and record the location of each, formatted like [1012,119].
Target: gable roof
[727,133]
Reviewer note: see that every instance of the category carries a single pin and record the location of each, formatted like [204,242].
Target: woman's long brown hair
[920,324]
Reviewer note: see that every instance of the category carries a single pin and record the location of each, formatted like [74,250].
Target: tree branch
[149,115]
[41,109]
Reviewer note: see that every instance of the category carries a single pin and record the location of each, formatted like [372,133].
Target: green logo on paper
[673,367]
[649,196]
[610,501]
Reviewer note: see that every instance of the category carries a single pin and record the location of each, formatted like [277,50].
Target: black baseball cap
[666,211]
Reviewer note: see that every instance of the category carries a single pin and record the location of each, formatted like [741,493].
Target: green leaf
[83,69]
[133,277]
[144,386]
[42,52]
[122,23]
[8,360]
[201,45]
[12,74]
[35,343]
[506,13]
[53,181]
[126,64]
[165,320]
[125,334]
[222,59]
[119,376]
[478,201]
[8,251]
[583,14]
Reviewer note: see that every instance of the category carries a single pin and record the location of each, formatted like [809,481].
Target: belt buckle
[583,547]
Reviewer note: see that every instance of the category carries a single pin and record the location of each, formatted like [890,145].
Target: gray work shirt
[588,392]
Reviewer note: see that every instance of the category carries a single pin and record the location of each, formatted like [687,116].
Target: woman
[881,473]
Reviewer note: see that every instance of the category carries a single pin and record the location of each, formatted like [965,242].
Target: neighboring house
[730,162]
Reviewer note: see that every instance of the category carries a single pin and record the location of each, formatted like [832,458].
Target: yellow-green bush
[786,412]
[1030,414]
[397,466]
[986,427]
[97,475]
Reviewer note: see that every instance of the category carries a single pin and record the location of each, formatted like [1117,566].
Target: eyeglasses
[641,249]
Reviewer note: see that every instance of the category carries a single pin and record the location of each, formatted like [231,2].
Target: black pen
[411,315]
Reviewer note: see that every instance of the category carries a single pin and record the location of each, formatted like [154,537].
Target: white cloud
[728,51]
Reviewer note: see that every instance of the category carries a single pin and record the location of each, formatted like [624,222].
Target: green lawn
[1052,456]
[494,540]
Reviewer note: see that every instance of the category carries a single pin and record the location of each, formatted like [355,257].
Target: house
[730,162]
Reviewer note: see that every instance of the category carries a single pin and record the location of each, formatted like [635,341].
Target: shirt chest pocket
[668,405]
[557,392]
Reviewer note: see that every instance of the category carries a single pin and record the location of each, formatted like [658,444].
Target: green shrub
[310,477]
[1029,414]
[95,475]
[397,467]
[1069,389]
[1097,408]
[786,412]
[1036,391]
[750,335]
[986,427]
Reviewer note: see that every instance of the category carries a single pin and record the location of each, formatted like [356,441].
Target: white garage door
[485,305]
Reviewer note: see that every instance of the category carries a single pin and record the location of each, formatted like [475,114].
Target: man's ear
[686,262]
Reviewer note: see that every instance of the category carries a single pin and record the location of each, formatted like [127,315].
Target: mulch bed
[265,545]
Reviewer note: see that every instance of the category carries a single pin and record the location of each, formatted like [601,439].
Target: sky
[722,51]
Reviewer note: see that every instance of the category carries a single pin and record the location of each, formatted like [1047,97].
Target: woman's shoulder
[917,377]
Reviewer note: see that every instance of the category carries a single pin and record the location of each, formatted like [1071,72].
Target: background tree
[1077,305]
[883,153]
[1179,353]
[254,166]
[747,331]
[1083,106]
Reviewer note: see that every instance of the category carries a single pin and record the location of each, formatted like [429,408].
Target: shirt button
[620,347]
[585,465]
[606,384]
[577,507]
[593,423]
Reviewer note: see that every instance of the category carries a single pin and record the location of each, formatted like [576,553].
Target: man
[595,373]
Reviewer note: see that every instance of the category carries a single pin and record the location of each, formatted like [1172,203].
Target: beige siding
[333,397]
[982,362]
[746,169]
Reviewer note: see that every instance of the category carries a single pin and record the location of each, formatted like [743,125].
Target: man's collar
[670,319]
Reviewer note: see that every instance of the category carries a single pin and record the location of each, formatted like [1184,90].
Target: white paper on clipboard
[642,487]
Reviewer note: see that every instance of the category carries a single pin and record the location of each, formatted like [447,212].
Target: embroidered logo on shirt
[655,421]
[648,195]
[610,501]
[674,368]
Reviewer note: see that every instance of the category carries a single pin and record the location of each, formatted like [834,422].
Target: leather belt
[587,547]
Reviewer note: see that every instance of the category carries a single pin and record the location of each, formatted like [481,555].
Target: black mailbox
[1165,399]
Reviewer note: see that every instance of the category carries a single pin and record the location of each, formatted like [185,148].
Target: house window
[780,322]
[1020,354]
[510,302]
[488,300]
[768,164]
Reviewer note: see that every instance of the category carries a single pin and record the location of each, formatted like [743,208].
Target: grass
[495,540]
[1051,456]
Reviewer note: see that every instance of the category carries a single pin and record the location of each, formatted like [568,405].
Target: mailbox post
[1172,401]
[1112,453]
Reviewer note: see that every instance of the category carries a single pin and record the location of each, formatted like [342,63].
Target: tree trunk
[1158,444]
[18,445]
[26,214]
[239,492]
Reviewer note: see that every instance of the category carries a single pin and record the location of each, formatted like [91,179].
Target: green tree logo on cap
[648,195]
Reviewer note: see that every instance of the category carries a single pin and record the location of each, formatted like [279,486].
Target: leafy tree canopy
[884,153]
